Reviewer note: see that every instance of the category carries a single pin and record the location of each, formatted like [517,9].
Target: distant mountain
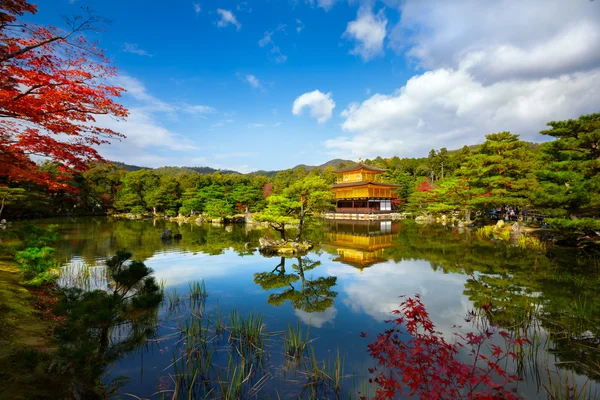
[174,170]
[334,163]
[126,167]
[208,170]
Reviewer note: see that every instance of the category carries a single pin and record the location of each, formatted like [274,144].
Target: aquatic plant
[295,342]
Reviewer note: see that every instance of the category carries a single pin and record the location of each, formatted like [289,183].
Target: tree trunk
[104,342]
[467,215]
[2,206]
[280,228]
[300,224]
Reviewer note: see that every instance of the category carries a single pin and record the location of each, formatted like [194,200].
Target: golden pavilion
[360,244]
[359,190]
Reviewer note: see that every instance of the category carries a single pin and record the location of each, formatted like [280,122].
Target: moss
[25,346]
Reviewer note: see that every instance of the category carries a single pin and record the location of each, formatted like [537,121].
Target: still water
[349,284]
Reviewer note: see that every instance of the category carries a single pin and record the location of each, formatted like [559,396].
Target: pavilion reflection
[358,243]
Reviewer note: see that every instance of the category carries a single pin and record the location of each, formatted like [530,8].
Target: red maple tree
[53,85]
[415,361]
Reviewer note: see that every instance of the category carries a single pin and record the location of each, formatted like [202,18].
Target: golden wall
[363,191]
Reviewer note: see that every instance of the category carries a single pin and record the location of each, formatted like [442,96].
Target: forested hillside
[558,178]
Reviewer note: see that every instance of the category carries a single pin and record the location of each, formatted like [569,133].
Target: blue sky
[271,84]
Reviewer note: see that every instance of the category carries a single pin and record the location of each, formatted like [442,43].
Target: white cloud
[490,69]
[370,291]
[227,18]
[197,8]
[221,123]
[368,30]
[498,39]
[320,105]
[136,89]
[299,26]
[142,131]
[316,319]
[324,4]
[134,49]
[256,125]
[198,109]
[252,80]
[450,108]
[267,39]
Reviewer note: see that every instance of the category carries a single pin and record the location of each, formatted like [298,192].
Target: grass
[23,362]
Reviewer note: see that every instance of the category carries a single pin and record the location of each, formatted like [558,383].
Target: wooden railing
[361,210]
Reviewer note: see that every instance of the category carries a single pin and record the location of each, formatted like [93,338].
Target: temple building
[359,190]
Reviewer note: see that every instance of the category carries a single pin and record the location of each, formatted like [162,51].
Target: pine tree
[570,177]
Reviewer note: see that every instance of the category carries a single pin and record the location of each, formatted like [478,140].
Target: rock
[444,217]
[499,224]
[516,227]
[3,222]
[229,228]
[166,234]
[263,242]
[461,224]
[199,221]
[177,236]
[247,246]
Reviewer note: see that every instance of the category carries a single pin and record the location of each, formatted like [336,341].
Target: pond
[348,284]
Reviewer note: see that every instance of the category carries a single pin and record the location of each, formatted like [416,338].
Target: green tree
[136,186]
[570,173]
[164,197]
[501,172]
[218,208]
[280,211]
[247,195]
[312,194]
[9,195]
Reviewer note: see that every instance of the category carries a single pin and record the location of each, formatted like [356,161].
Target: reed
[197,291]
[295,342]
[173,298]
[324,375]
[563,386]
[250,330]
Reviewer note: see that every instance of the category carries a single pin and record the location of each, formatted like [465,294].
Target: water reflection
[353,279]
[305,294]
[360,244]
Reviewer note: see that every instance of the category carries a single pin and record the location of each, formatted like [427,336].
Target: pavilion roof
[363,183]
[358,166]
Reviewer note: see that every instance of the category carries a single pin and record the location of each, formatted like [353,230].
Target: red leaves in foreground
[415,360]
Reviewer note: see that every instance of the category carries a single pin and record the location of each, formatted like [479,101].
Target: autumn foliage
[415,360]
[53,86]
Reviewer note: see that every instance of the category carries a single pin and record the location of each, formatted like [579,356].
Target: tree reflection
[101,326]
[310,295]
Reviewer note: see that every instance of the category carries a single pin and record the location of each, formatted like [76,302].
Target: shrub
[417,360]
[138,210]
[36,264]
